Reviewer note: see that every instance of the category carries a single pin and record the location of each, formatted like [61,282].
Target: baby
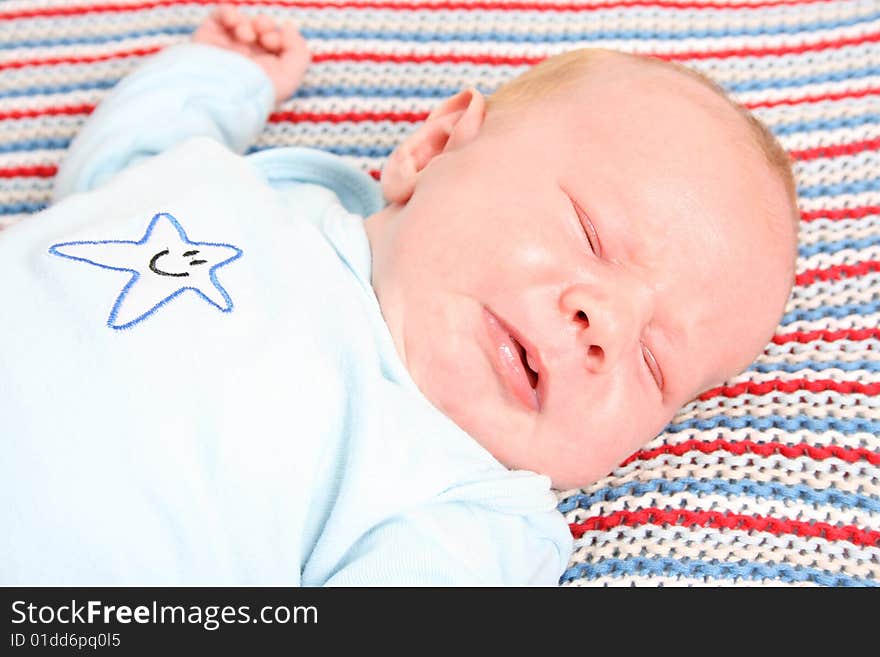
[271,370]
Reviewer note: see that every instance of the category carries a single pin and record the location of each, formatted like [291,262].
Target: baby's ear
[451,124]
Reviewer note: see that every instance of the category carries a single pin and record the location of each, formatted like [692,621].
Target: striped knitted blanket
[773,478]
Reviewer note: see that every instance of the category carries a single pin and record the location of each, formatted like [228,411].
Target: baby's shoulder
[308,172]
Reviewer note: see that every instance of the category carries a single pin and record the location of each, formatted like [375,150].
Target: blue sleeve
[456,544]
[187,90]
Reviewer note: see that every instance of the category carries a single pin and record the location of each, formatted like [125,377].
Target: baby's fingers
[291,39]
[229,16]
[267,33]
[245,33]
[271,41]
[263,23]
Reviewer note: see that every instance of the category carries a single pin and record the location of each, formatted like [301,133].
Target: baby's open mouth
[513,362]
[524,357]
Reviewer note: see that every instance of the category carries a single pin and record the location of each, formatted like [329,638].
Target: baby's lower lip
[505,359]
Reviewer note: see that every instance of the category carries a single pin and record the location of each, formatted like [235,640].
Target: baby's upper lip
[532,353]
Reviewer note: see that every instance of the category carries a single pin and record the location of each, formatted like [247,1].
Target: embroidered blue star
[164,263]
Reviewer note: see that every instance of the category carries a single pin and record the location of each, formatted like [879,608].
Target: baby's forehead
[624,85]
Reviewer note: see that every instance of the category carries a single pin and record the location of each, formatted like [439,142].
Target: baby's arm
[223,84]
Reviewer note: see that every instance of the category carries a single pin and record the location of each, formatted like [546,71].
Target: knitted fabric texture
[773,478]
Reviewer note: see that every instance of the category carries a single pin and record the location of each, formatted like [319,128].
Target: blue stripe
[59,89]
[870,185]
[787,423]
[424,36]
[310,91]
[782,83]
[343,151]
[786,129]
[96,38]
[34,144]
[692,568]
[740,487]
[816,366]
[823,312]
[24,206]
[832,246]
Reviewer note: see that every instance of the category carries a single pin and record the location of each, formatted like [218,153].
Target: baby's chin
[522,441]
[518,442]
[574,458]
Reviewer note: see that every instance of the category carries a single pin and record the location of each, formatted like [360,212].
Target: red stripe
[341,117]
[762,449]
[80,60]
[717,520]
[414,6]
[834,44]
[275,117]
[837,150]
[826,335]
[841,213]
[790,386]
[837,272]
[47,111]
[858,93]
[40,171]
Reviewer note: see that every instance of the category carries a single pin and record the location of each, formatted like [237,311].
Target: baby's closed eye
[589,229]
[653,367]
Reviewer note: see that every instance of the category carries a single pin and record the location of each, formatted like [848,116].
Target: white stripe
[780,116]
[843,349]
[832,324]
[787,406]
[804,91]
[858,289]
[850,256]
[827,137]
[859,477]
[825,230]
[740,504]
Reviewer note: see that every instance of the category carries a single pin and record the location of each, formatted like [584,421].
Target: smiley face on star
[164,264]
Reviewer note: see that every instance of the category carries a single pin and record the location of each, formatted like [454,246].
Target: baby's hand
[281,52]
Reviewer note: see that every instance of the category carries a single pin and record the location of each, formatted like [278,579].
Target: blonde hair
[561,70]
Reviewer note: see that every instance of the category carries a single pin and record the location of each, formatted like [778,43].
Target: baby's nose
[606,323]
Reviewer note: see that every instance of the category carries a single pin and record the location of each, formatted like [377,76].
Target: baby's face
[562,283]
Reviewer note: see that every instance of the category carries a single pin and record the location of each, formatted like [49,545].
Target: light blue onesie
[196,382]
